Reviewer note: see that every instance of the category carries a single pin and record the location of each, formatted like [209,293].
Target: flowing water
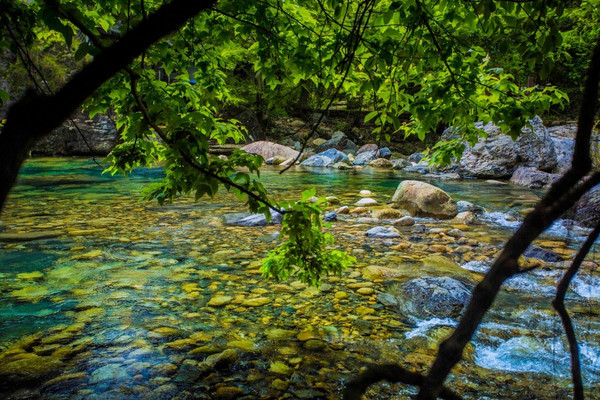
[124,299]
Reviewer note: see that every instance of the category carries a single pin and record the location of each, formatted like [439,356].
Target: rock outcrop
[498,156]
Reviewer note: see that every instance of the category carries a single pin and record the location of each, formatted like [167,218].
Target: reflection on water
[130,300]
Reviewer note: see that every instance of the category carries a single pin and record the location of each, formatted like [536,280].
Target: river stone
[366,148]
[381,163]
[343,210]
[401,163]
[342,166]
[424,200]
[384,152]
[339,141]
[27,368]
[533,178]
[541,254]
[221,360]
[28,236]
[404,221]
[382,232]
[219,301]
[110,373]
[387,213]
[415,157]
[497,155]
[366,202]
[269,149]
[418,169]
[365,157]
[325,159]
[463,205]
[427,297]
[330,216]
[466,218]
[277,160]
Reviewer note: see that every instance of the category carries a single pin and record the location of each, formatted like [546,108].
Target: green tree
[430,59]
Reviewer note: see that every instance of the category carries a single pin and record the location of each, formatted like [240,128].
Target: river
[126,299]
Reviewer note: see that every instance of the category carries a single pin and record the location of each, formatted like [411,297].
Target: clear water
[122,302]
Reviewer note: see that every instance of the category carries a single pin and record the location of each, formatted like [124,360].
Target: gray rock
[365,157]
[338,141]
[532,178]
[367,147]
[384,152]
[586,210]
[497,155]
[382,232]
[541,254]
[404,221]
[417,169]
[415,157]
[325,159]
[330,216]
[387,300]
[564,145]
[269,149]
[401,163]
[463,205]
[99,133]
[427,297]
[110,373]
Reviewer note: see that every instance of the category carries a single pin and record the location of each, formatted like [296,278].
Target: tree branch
[561,196]
[559,306]
[21,130]
[393,373]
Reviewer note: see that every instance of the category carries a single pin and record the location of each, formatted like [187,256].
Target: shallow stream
[124,299]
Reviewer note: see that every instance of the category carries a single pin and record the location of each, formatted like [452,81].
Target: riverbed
[126,299]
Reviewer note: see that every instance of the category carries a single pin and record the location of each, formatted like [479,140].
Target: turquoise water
[130,299]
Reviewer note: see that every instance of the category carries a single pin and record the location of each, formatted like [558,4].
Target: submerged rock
[424,200]
[427,297]
[382,232]
[541,254]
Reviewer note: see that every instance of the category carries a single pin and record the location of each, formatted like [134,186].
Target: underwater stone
[382,232]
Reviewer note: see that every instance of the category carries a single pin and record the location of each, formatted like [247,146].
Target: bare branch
[392,373]
[559,306]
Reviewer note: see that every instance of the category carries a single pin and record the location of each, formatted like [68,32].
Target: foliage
[304,253]
[435,61]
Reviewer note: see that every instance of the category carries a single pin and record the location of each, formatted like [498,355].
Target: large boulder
[497,155]
[95,136]
[532,178]
[269,149]
[586,210]
[563,137]
[338,141]
[421,199]
[325,159]
[428,297]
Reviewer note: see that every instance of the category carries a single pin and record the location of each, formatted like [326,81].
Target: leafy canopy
[436,62]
